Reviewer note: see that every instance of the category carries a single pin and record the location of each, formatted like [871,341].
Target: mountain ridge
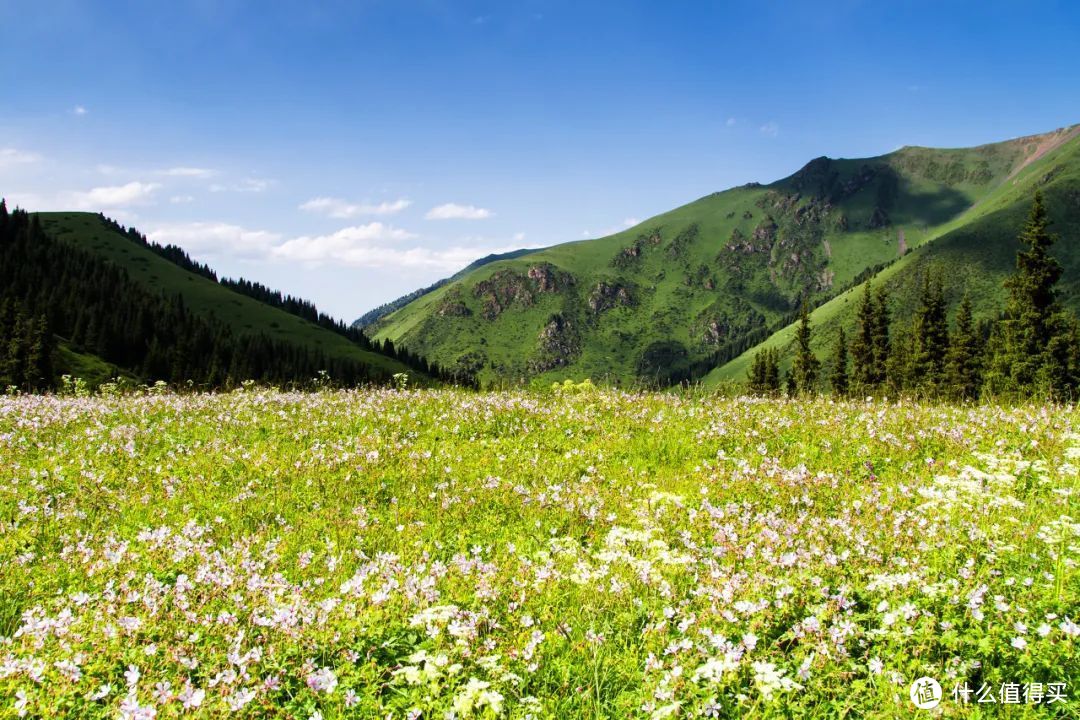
[659,302]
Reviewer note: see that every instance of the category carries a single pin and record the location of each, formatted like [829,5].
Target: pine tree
[764,374]
[1032,350]
[864,372]
[962,365]
[39,352]
[898,368]
[930,340]
[839,376]
[772,371]
[806,365]
[882,341]
[756,375]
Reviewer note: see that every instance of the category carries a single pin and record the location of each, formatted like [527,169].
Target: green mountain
[689,290]
[119,305]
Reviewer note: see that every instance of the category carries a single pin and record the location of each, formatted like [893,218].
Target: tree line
[51,290]
[1031,348]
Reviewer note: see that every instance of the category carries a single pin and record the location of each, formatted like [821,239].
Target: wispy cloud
[339,208]
[770,129]
[79,111]
[181,199]
[342,245]
[731,122]
[214,239]
[374,245]
[453,211]
[250,184]
[10,157]
[114,196]
[189,172]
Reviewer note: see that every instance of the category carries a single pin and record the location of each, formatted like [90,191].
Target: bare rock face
[501,290]
[605,296]
[765,232]
[546,277]
[452,305]
[509,287]
[559,343]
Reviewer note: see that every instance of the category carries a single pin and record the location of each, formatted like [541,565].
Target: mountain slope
[686,290]
[977,251]
[143,286]
[372,316]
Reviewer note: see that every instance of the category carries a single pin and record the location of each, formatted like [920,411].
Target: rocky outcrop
[605,296]
[509,287]
[548,278]
[558,344]
[453,305]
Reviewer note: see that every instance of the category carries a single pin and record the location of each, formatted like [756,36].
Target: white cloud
[453,211]
[374,245]
[519,237]
[216,238]
[10,157]
[79,110]
[338,208]
[181,199]
[770,129]
[192,172]
[113,196]
[341,245]
[250,184]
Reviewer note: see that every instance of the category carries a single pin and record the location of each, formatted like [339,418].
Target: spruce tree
[864,371]
[898,368]
[882,341]
[930,341]
[805,367]
[39,365]
[963,358]
[839,376]
[1032,350]
[756,375]
[772,371]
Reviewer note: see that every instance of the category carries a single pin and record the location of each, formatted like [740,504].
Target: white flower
[1019,643]
[192,697]
[323,680]
[770,679]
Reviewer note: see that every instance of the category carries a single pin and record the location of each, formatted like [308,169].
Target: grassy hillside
[673,296]
[977,251]
[201,295]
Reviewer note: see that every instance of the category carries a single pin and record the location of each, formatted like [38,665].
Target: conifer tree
[806,365]
[1032,350]
[930,340]
[839,376]
[898,368]
[39,351]
[882,341]
[864,371]
[764,374]
[962,365]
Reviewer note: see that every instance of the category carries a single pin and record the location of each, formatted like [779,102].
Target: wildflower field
[447,554]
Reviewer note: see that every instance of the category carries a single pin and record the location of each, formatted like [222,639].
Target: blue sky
[349,152]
